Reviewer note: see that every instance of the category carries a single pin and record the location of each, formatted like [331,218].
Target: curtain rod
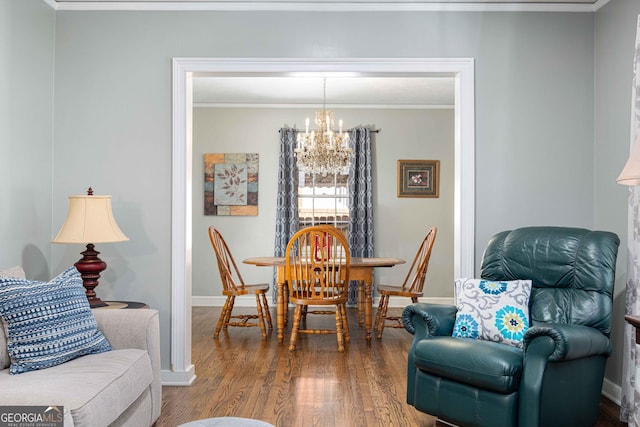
[345,130]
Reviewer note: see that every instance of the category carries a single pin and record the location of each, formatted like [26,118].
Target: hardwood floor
[242,375]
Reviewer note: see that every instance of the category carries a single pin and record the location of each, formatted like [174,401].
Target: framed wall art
[231,184]
[418,178]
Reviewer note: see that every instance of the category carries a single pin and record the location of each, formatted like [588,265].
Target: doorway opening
[182,370]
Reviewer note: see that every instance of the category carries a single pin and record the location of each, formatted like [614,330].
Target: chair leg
[265,304]
[376,324]
[345,323]
[296,325]
[227,319]
[285,298]
[339,331]
[382,312]
[261,318]
[223,320]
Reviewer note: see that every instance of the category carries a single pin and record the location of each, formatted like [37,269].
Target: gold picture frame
[419,178]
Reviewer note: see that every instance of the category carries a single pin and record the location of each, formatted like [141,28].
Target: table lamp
[630,174]
[90,220]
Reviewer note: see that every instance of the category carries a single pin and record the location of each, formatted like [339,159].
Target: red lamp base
[90,267]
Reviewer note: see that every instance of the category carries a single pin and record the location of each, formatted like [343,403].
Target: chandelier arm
[323,151]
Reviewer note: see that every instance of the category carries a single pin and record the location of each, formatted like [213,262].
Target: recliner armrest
[424,319]
[570,341]
[553,342]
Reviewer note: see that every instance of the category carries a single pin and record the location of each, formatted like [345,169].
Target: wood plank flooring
[241,375]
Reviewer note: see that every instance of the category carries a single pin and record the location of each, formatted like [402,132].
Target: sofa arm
[423,319]
[135,328]
[569,341]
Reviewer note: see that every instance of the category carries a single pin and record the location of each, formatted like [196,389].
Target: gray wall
[534,113]
[26,121]
[400,223]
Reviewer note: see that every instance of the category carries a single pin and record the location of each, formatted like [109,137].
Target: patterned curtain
[287,202]
[360,200]
[630,404]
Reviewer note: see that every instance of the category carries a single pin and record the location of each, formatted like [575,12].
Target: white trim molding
[178,379]
[329,6]
[462,69]
[52,3]
[612,391]
[328,106]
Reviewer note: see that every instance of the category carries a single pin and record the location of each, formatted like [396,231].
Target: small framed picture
[418,178]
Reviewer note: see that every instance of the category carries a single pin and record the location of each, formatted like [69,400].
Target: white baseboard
[250,301]
[178,378]
[612,391]
[242,301]
[399,302]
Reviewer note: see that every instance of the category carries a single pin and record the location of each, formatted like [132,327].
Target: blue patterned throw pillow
[48,323]
[493,311]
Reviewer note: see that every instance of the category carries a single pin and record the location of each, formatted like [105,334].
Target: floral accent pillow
[492,311]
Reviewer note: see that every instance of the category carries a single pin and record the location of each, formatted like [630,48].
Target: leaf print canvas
[231,184]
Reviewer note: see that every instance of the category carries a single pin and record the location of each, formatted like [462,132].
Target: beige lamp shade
[630,174]
[90,220]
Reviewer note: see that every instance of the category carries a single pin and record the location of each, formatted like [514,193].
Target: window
[324,200]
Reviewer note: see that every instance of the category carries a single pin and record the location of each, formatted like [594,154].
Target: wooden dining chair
[317,272]
[410,288]
[233,285]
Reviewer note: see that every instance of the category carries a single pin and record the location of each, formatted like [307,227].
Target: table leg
[364,276]
[368,312]
[280,310]
[285,305]
[361,301]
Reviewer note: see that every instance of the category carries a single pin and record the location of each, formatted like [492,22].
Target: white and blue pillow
[48,323]
[492,310]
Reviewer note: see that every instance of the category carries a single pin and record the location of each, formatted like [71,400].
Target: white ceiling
[357,92]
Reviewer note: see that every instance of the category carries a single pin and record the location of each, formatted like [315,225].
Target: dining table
[360,270]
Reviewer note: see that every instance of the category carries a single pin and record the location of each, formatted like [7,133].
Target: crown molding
[322,6]
[332,107]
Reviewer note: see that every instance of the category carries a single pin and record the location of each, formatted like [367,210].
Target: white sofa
[116,388]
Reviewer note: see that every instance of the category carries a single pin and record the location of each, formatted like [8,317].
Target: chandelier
[323,151]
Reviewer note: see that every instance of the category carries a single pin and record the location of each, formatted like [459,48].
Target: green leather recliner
[556,378]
